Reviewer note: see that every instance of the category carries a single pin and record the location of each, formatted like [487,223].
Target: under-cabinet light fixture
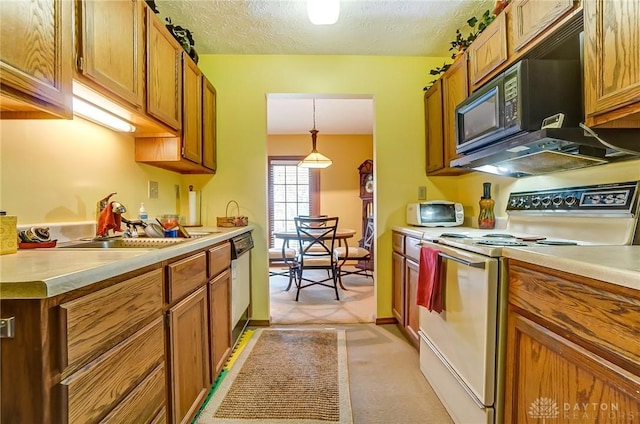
[323,12]
[100,116]
[315,159]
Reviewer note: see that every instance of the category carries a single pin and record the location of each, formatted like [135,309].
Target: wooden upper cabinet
[164,74]
[110,46]
[531,17]
[612,63]
[209,130]
[192,110]
[455,89]
[434,133]
[488,51]
[36,64]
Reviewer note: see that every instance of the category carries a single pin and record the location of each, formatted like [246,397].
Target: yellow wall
[339,183]
[395,84]
[56,171]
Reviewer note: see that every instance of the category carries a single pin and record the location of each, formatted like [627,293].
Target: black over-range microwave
[518,101]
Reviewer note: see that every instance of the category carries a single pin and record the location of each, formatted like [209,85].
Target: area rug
[318,305]
[285,376]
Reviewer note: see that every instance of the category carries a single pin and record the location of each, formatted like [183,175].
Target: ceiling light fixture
[323,12]
[314,159]
[100,116]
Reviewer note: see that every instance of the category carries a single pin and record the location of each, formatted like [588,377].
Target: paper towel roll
[192,208]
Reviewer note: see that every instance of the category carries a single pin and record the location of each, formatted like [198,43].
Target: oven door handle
[462,261]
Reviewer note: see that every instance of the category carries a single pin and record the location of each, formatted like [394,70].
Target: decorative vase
[486,218]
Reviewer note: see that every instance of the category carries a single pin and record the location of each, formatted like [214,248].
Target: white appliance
[462,349]
[435,213]
[240,283]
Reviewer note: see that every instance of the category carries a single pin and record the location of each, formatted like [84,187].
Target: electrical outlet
[422,193]
[153,189]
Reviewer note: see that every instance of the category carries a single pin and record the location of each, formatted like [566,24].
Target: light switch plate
[153,189]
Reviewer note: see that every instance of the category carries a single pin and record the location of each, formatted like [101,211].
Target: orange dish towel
[429,291]
[108,221]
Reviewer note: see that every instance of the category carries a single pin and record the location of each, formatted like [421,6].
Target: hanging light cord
[314,114]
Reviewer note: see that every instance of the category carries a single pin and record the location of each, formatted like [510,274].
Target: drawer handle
[7,328]
[462,261]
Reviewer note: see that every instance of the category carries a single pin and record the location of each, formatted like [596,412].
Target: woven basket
[232,220]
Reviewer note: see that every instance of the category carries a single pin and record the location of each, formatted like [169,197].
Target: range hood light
[491,169]
[100,116]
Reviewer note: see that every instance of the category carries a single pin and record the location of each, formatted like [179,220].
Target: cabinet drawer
[186,275]
[94,323]
[412,248]
[589,312]
[219,258]
[98,388]
[397,242]
[144,403]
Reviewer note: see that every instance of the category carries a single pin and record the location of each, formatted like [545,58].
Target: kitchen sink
[126,243]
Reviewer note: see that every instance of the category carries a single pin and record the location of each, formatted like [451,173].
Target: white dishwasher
[240,282]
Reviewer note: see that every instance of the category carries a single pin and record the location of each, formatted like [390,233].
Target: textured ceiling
[365,27]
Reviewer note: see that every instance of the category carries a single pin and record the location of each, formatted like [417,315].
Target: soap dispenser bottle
[142,214]
[486,218]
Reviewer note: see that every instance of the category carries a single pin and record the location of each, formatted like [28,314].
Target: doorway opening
[345,135]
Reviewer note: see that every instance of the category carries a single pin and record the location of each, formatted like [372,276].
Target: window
[293,191]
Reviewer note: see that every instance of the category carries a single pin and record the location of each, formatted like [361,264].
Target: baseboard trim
[384,321]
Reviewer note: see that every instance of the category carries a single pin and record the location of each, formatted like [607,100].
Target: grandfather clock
[366,194]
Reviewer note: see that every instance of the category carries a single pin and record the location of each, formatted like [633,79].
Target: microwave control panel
[510,99]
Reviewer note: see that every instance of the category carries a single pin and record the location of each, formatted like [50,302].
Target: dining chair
[285,257]
[316,243]
[346,254]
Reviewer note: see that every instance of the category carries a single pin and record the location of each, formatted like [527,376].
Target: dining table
[342,235]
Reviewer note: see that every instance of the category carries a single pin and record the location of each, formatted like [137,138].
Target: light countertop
[613,264]
[43,273]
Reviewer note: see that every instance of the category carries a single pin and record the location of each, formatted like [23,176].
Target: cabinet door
[192,110]
[397,266]
[220,321]
[111,46]
[36,63]
[164,74]
[612,62]
[412,318]
[189,352]
[434,134]
[455,85]
[550,377]
[531,17]
[209,130]
[489,50]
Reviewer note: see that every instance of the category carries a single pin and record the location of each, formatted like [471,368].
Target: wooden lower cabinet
[189,355]
[572,351]
[405,257]
[412,319]
[220,321]
[398,269]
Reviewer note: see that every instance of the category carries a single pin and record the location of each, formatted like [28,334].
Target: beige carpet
[318,304]
[285,376]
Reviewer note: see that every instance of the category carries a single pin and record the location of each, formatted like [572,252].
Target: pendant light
[323,12]
[315,159]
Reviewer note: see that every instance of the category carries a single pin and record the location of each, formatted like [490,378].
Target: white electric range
[462,349]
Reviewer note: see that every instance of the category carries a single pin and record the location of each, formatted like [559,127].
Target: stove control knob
[570,200]
[546,201]
[535,201]
[513,202]
[522,203]
[557,200]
